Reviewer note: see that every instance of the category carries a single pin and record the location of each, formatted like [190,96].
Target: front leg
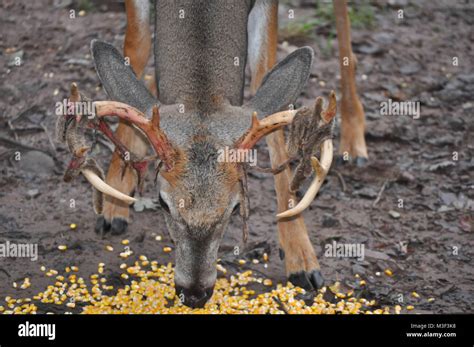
[302,266]
[116,213]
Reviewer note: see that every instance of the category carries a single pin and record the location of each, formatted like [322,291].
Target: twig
[51,142]
[341,180]
[379,195]
[281,306]
[11,143]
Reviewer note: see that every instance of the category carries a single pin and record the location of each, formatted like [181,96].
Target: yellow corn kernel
[167,249]
[73,226]
[125,242]
[388,272]
[62,247]
[267,282]
[109,248]
[220,268]
[410,307]
[415,295]
[362,283]
[431,299]
[398,309]
[158,238]
[242,261]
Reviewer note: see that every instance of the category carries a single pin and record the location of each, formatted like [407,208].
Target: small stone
[394,214]
[33,193]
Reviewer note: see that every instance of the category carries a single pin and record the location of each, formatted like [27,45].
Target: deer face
[198,192]
[197,206]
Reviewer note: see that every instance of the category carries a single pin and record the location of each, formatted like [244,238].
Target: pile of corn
[151,290]
[148,287]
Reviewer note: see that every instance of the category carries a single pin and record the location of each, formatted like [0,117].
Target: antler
[71,129]
[310,131]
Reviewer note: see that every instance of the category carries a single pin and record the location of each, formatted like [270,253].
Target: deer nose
[194,297]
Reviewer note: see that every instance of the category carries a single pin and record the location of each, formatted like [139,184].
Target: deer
[195,109]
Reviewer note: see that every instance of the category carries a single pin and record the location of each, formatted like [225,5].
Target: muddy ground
[426,163]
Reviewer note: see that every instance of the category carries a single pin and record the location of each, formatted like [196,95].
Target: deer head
[198,192]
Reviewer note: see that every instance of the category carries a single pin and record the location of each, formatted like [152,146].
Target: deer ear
[282,85]
[117,77]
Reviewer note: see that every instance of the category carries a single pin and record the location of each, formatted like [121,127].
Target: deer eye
[164,205]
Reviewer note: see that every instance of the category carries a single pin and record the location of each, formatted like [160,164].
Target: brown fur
[137,39]
[352,112]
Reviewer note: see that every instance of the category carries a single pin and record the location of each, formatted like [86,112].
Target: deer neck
[200,52]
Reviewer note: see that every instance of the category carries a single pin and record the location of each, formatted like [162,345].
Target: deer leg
[137,48]
[115,216]
[137,45]
[301,263]
[352,113]
[302,266]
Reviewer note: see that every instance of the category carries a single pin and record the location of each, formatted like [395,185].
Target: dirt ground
[411,206]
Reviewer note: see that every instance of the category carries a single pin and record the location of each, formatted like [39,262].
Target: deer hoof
[339,161]
[307,280]
[118,226]
[361,161]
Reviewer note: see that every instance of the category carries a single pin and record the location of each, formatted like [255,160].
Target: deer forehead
[222,127]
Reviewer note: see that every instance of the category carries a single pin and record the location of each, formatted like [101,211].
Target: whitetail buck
[201,49]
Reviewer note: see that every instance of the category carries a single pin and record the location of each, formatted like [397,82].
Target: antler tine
[321,167]
[261,128]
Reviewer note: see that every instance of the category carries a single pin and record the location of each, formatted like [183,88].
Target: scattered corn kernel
[410,307]
[267,282]
[388,272]
[158,238]
[431,299]
[221,268]
[125,242]
[415,295]
[109,248]
[62,247]
[72,226]
[167,249]
[242,261]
